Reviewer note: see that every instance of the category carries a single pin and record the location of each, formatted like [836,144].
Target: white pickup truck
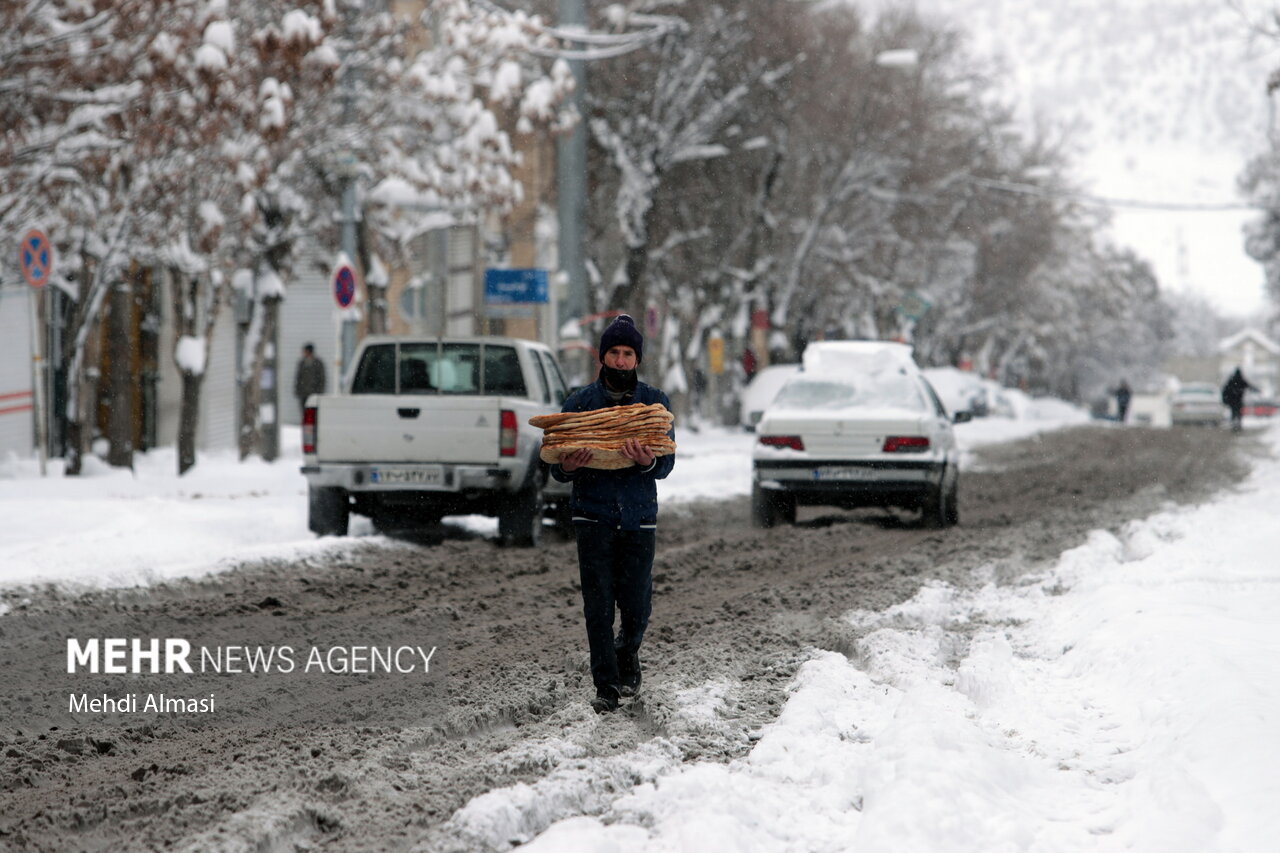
[427,427]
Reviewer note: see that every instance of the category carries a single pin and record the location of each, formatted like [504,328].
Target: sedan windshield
[885,390]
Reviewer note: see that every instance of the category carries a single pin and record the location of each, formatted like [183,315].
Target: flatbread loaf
[604,431]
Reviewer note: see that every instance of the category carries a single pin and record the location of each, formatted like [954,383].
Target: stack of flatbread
[604,431]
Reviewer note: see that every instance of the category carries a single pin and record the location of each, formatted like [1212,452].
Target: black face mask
[618,380]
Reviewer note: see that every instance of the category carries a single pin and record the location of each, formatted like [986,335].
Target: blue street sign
[36,258]
[508,287]
[344,285]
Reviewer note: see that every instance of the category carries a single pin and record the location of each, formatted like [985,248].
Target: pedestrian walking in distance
[309,378]
[1233,396]
[1123,395]
[615,517]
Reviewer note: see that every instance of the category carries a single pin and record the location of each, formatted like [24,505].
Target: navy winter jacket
[628,497]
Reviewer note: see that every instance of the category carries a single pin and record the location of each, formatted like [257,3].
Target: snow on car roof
[826,390]
[857,355]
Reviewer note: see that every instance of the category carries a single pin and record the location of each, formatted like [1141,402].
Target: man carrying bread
[615,514]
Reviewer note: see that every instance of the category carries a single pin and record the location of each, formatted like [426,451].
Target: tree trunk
[376,309]
[188,420]
[80,424]
[120,375]
[251,388]
[269,376]
[633,296]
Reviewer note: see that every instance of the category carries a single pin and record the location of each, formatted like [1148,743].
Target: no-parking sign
[344,285]
[35,256]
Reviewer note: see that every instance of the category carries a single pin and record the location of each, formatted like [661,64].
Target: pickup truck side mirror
[962,417]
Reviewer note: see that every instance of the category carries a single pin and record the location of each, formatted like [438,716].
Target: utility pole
[347,167]
[571,177]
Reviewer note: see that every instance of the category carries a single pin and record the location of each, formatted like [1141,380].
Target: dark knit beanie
[622,332]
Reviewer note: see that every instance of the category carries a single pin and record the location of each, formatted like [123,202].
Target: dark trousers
[1237,410]
[616,568]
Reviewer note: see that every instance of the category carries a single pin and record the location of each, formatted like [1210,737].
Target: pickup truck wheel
[563,526]
[328,510]
[520,518]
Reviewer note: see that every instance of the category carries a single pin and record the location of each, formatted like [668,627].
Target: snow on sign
[509,287]
[344,285]
[35,256]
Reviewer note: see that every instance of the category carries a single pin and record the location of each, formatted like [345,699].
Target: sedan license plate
[838,472]
[429,476]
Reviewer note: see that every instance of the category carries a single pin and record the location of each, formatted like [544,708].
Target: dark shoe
[607,699]
[629,672]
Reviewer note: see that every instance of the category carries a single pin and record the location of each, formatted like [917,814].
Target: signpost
[344,294]
[913,306]
[511,287]
[35,257]
[344,285]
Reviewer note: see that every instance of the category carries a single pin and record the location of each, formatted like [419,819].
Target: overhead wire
[1107,201]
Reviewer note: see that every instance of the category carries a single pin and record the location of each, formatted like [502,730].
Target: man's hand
[571,462]
[637,452]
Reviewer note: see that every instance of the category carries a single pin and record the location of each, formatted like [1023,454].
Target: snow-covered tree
[199,136]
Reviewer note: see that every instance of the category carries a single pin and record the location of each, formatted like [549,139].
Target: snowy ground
[1124,700]
[1127,700]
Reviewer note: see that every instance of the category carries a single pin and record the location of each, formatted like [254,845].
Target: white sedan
[1197,403]
[880,438]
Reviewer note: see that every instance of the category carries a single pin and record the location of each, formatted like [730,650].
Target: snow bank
[1124,701]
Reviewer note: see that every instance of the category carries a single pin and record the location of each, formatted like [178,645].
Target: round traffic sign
[344,286]
[35,256]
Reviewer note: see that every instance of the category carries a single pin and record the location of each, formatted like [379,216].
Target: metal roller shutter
[17,429]
[218,395]
[307,316]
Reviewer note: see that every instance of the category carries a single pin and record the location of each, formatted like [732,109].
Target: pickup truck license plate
[835,472]
[425,476]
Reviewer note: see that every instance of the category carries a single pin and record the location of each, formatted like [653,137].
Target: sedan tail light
[309,421]
[906,444]
[507,433]
[792,441]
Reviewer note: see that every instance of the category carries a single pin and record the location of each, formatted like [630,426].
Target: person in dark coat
[309,378]
[1233,396]
[615,516]
[1123,395]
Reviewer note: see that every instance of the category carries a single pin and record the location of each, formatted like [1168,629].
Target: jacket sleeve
[662,465]
[573,403]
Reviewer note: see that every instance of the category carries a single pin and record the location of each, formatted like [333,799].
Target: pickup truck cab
[426,427]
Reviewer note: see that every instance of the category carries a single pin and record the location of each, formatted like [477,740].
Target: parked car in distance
[1258,407]
[1196,404]
[959,390]
[877,437]
[760,391]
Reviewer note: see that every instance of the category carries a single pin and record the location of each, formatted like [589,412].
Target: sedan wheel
[953,505]
[934,512]
[769,508]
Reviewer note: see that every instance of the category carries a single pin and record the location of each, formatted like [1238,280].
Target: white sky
[1125,699]
[1162,108]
